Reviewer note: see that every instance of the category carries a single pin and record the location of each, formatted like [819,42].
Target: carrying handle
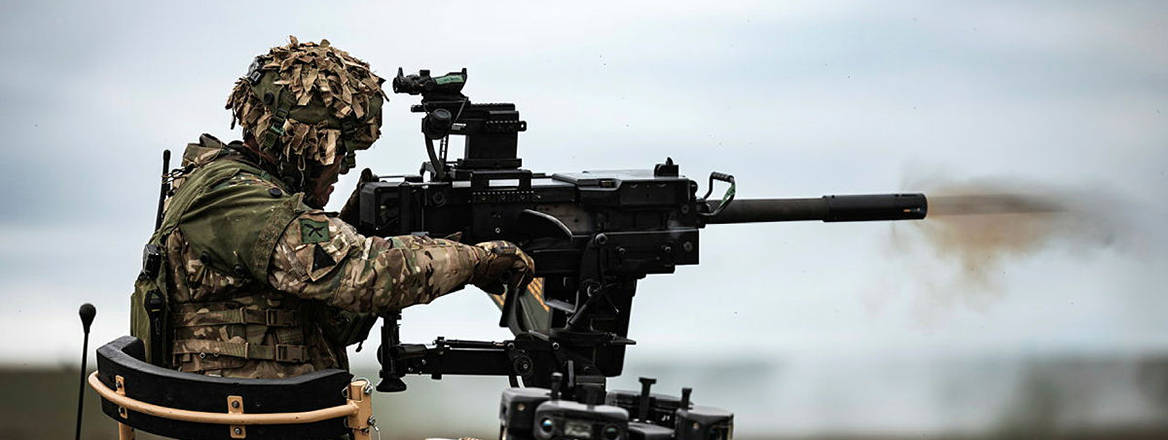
[726,197]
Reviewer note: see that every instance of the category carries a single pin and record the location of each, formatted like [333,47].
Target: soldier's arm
[323,258]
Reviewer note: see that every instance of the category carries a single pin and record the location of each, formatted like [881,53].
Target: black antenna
[87,313]
[162,190]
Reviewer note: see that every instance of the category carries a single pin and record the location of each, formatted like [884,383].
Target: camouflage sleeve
[323,258]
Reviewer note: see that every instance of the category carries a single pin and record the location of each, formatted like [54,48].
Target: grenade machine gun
[593,236]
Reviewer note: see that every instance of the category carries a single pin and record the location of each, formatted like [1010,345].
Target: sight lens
[611,432]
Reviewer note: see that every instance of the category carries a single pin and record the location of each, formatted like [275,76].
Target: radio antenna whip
[87,313]
[162,190]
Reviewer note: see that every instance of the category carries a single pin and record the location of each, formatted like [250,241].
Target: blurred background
[995,325]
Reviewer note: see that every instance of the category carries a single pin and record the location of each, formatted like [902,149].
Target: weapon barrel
[834,208]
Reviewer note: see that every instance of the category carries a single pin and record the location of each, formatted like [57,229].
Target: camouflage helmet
[308,105]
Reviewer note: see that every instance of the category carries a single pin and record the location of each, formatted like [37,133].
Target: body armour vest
[220,227]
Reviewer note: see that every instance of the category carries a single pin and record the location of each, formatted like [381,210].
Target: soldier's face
[322,187]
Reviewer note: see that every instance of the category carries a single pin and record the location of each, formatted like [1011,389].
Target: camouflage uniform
[252,267]
[255,279]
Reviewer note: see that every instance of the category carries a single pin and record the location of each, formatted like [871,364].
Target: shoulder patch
[312,231]
[321,259]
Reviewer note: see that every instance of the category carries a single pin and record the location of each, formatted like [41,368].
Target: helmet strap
[275,128]
[348,140]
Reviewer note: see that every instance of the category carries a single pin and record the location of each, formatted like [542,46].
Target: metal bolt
[235,404]
[591,288]
[687,246]
[555,346]
[238,430]
[498,230]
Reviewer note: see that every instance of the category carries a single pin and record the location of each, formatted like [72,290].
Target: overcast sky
[795,99]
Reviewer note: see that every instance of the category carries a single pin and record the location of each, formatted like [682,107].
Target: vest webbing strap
[189,315]
[279,352]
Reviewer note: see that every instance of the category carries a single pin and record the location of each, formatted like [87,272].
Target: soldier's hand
[349,213]
[504,263]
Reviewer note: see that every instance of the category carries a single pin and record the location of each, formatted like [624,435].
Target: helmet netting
[314,74]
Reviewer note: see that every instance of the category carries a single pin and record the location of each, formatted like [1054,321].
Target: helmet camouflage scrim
[308,105]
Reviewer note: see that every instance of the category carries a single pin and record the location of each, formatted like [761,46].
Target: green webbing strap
[276,125]
[280,352]
[348,133]
[189,316]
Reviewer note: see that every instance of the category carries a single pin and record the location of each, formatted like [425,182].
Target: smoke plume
[975,229]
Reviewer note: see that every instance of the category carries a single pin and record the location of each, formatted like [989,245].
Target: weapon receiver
[592,234]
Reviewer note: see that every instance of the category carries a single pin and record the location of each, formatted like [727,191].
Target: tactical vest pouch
[148,306]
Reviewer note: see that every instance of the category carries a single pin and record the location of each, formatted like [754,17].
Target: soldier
[255,279]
